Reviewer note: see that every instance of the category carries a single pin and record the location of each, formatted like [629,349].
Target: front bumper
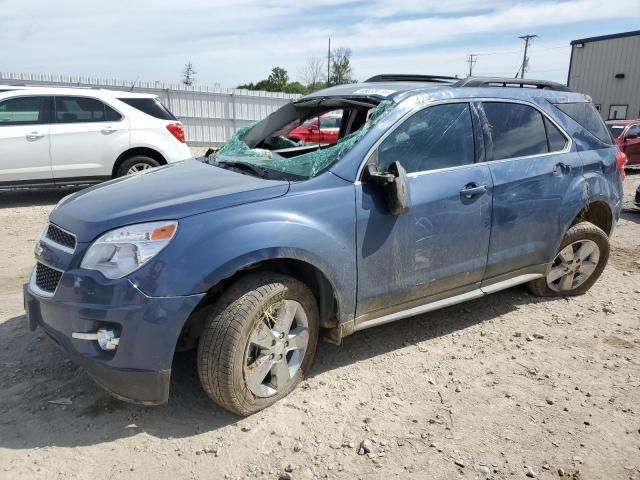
[139,369]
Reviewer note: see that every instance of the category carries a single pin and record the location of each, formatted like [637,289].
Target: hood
[167,193]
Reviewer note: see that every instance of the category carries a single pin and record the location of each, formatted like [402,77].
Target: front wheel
[258,342]
[582,256]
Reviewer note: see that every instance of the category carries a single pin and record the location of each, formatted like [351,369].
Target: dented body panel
[470,229]
[440,244]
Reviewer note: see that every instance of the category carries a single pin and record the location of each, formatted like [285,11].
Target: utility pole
[525,60]
[471,60]
[328,61]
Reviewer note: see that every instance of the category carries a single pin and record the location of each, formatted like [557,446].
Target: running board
[447,302]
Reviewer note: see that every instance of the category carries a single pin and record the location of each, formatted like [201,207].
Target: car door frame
[634,157]
[535,270]
[448,297]
[45,125]
[101,170]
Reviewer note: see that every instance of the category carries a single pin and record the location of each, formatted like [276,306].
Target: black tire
[578,232]
[130,162]
[224,344]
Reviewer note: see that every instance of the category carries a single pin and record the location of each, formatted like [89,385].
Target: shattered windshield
[273,148]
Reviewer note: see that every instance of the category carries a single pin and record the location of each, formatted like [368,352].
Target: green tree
[314,87]
[278,79]
[265,85]
[189,74]
[296,87]
[340,71]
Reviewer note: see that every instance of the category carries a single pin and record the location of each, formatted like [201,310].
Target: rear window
[150,106]
[516,130]
[83,110]
[586,115]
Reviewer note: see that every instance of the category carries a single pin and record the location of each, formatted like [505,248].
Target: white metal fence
[210,114]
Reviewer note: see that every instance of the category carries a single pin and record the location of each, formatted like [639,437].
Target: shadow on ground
[30,198]
[34,372]
[631,214]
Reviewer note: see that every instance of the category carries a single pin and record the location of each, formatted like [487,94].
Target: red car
[326,132]
[627,136]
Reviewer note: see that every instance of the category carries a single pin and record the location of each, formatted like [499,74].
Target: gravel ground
[508,386]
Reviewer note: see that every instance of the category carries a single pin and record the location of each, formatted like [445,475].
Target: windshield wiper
[246,166]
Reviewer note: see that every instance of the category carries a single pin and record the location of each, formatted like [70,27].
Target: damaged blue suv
[438,191]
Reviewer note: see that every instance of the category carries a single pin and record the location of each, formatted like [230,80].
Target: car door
[87,137]
[632,144]
[313,132]
[532,167]
[329,129]
[440,245]
[24,140]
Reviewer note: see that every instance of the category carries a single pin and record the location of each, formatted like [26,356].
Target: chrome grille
[47,278]
[59,236]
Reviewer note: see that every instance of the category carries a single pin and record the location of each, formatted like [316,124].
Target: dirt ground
[508,386]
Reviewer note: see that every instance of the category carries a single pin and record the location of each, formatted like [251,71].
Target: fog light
[106,339]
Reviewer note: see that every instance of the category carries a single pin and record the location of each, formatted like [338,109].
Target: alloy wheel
[276,348]
[138,167]
[573,265]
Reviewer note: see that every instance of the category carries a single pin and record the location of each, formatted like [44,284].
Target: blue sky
[232,42]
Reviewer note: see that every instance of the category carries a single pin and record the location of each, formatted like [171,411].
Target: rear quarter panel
[600,180]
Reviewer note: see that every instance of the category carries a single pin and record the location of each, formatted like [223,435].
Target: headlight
[121,251]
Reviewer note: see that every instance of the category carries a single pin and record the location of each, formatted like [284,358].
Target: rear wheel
[258,342]
[136,164]
[583,254]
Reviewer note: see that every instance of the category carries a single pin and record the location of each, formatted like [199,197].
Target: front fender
[342,280]
[316,227]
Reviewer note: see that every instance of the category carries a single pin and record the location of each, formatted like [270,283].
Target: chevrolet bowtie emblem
[38,250]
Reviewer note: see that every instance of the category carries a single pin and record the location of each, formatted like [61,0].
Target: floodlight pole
[328,61]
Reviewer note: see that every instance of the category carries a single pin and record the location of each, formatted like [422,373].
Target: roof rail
[511,82]
[402,77]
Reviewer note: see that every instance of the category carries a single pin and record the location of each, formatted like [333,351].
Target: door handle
[108,130]
[473,189]
[34,135]
[561,169]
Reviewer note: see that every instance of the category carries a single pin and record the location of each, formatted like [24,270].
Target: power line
[512,52]
[501,52]
[525,60]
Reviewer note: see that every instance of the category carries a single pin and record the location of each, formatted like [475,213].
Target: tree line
[313,75]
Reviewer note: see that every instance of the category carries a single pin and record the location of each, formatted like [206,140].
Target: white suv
[55,136]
